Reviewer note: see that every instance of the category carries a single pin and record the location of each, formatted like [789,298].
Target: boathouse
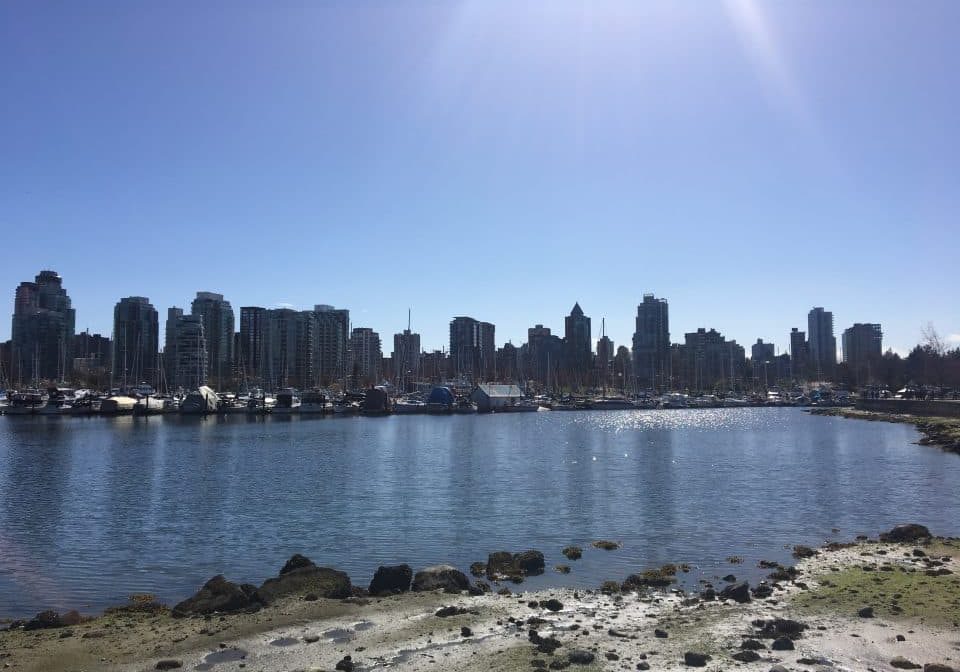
[489,397]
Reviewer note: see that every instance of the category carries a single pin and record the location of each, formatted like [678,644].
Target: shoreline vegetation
[937,431]
[887,603]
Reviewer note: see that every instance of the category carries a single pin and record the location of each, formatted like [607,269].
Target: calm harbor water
[93,509]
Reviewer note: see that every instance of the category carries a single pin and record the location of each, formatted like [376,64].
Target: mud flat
[859,606]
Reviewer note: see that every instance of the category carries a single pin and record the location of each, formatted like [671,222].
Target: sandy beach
[912,589]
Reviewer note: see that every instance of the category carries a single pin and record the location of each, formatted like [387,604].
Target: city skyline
[781,344]
[745,160]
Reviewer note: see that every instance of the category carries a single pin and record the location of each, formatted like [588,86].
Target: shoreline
[643,621]
[937,431]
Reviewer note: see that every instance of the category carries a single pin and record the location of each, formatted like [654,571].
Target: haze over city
[746,161]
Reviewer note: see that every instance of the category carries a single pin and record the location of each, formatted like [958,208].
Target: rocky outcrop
[440,577]
[906,533]
[505,565]
[391,580]
[738,592]
[573,552]
[530,563]
[218,595]
[305,577]
[52,619]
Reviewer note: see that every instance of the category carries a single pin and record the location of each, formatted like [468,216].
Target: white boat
[200,401]
[117,405]
[409,406]
[287,402]
[612,404]
[674,400]
[27,402]
[314,402]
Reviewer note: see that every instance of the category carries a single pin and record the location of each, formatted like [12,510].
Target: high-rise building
[191,352]
[472,349]
[42,330]
[823,344]
[288,347]
[250,353]
[651,344]
[799,353]
[708,361]
[488,351]
[331,343]
[541,356]
[91,360]
[365,356]
[508,363]
[136,335]
[406,355]
[578,348]
[604,363]
[862,350]
[762,352]
[170,347]
[218,323]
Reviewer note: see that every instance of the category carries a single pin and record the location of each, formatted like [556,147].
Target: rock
[580,657]
[651,578]
[296,561]
[217,594]
[610,655]
[530,562]
[563,569]
[466,632]
[478,569]
[780,627]
[660,634]
[779,668]
[693,659]
[738,592]
[904,533]
[44,619]
[866,612]
[801,552]
[751,645]
[311,639]
[902,663]
[573,552]
[708,595]
[730,578]
[445,612]
[552,604]
[440,577]
[643,665]
[606,545]
[746,656]
[345,664]
[763,591]
[305,578]
[168,664]
[782,644]
[70,618]
[499,563]
[937,667]
[391,579]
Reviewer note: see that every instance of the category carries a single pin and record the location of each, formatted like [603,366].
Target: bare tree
[932,340]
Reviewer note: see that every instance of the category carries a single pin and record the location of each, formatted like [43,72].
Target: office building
[218,324]
[136,336]
[42,330]
[823,344]
[651,345]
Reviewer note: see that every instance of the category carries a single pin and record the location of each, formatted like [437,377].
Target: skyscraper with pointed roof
[577,348]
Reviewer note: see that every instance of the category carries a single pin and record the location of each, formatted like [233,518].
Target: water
[94,509]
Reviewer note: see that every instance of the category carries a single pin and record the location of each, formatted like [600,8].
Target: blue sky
[745,160]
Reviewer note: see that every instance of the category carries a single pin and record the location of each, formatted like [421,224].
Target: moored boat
[200,401]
